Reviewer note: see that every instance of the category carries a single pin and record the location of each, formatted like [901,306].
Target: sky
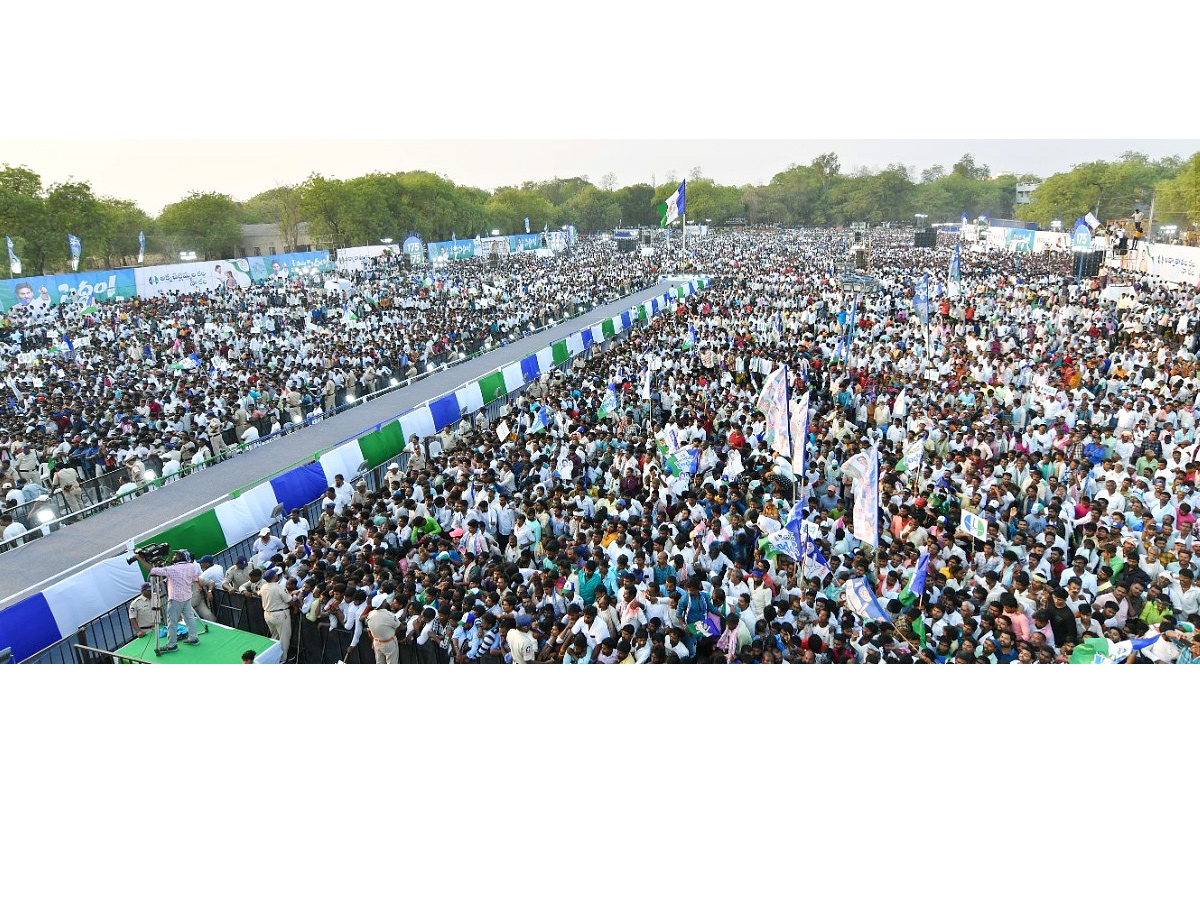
[155,172]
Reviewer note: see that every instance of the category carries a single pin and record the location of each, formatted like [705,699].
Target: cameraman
[181,577]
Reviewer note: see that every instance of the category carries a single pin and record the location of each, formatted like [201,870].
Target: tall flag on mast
[76,249]
[141,247]
[773,403]
[921,299]
[799,438]
[954,283]
[863,469]
[14,264]
[675,206]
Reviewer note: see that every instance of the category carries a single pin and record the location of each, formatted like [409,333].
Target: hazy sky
[157,172]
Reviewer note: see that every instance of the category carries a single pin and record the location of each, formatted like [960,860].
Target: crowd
[148,388]
[626,511]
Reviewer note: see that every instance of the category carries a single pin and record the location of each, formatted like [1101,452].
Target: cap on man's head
[265,532]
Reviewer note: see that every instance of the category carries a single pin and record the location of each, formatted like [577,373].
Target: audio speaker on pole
[1092,262]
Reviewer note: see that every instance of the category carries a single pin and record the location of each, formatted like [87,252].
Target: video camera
[155,553]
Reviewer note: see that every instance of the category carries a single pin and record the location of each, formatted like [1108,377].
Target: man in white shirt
[294,529]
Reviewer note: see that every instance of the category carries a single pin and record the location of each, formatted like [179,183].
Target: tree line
[372,207]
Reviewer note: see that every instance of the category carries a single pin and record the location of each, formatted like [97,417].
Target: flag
[975,526]
[645,384]
[692,338]
[921,299]
[609,404]
[1092,222]
[14,264]
[527,224]
[918,627]
[914,455]
[815,564]
[782,541]
[141,247]
[954,282]
[76,247]
[1087,652]
[864,471]
[541,420]
[675,205]
[916,584]
[800,437]
[861,600]
[773,403]
[839,352]
[1124,649]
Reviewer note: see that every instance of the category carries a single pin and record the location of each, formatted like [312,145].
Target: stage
[221,646]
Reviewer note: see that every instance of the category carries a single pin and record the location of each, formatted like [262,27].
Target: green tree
[23,216]
[592,210]
[637,205]
[71,208]
[204,222]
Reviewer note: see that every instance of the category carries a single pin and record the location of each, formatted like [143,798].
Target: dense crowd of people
[168,384]
[625,511]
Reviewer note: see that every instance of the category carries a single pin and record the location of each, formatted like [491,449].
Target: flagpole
[685,230]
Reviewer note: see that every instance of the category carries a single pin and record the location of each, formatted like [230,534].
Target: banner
[192,278]
[1020,240]
[141,247]
[1169,262]
[76,247]
[799,436]
[14,264]
[921,299]
[285,265]
[351,259]
[446,251]
[521,243]
[39,293]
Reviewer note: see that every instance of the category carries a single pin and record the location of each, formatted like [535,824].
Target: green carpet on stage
[221,645]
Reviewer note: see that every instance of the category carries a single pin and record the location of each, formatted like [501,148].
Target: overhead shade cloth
[560,351]
[529,368]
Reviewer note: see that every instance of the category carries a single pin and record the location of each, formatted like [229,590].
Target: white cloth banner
[418,423]
[188,278]
[469,397]
[545,358]
[93,591]
[598,334]
[513,378]
[575,343]
[343,460]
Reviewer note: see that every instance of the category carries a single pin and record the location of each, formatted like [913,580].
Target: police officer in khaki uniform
[277,608]
[66,479]
[383,627]
[142,611]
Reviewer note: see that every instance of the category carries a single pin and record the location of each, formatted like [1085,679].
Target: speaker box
[925,237]
[1093,260]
